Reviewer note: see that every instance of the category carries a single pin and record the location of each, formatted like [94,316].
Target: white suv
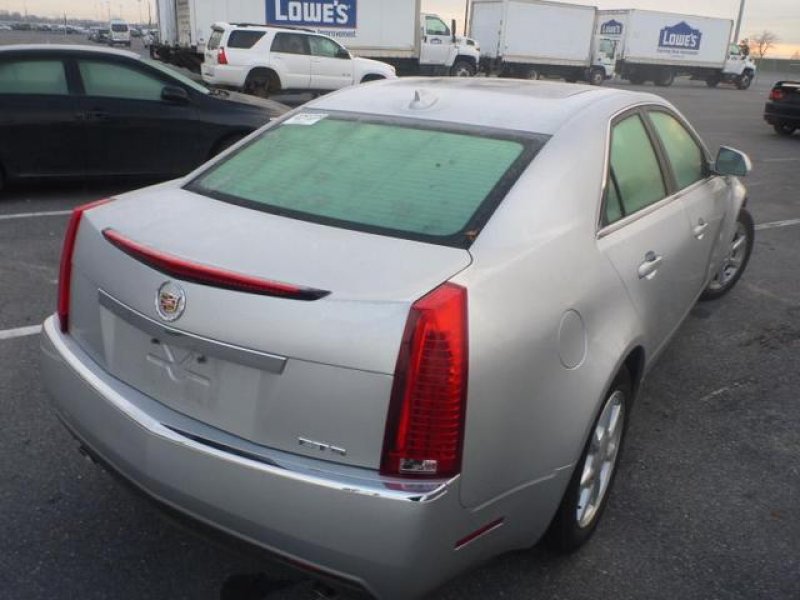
[265,60]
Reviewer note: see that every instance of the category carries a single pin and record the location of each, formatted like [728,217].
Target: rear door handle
[700,230]
[649,268]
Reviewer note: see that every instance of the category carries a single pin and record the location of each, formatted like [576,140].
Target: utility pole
[466,18]
[739,22]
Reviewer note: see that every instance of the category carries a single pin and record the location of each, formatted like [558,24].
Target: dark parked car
[76,111]
[782,110]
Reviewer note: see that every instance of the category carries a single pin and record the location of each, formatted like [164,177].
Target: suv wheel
[784,129]
[261,84]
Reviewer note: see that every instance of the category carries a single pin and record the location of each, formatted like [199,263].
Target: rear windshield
[413,181]
[119,27]
[244,39]
[215,39]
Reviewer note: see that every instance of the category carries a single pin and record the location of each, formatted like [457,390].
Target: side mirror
[175,95]
[453,30]
[732,162]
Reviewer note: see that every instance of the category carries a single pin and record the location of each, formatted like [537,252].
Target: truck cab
[444,51]
[604,55]
[739,67]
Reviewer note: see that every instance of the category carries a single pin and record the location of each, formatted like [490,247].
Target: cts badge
[170,301]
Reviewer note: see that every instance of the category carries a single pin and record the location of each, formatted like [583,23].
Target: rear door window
[33,77]
[406,181]
[244,39]
[290,43]
[321,46]
[635,178]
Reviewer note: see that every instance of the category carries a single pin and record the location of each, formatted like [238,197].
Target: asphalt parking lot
[706,500]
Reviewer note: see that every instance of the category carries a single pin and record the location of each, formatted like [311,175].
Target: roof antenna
[422,99]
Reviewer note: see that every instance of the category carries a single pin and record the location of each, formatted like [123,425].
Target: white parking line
[778,224]
[52,213]
[10,334]
[780,159]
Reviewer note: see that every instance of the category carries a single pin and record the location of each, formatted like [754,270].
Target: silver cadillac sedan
[399,330]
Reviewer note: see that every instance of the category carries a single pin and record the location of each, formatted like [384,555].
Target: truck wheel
[637,78]
[665,78]
[744,80]
[532,73]
[780,129]
[462,68]
[712,81]
[597,77]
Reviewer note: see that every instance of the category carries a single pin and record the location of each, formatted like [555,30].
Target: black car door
[131,128]
[40,134]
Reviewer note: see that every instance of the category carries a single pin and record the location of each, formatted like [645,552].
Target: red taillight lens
[425,424]
[65,272]
[777,94]
[222,58]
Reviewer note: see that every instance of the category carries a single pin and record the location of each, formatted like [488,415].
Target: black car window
[33,77]
[321,46]
[215,39]
[634,167]
[290,43]
[685,155]
[114,80]
[244,39]
[435,26]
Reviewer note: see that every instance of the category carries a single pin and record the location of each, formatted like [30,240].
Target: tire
[368,78]
[637,79]
[736,259]
[784,129]
[597,77]
[712,81]
[462,68]
[532,74]
[744,80]
[583,503]
[664,78]
[262,84]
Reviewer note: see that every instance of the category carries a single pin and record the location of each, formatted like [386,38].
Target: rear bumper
[394,542]
[224,75]
[775,114]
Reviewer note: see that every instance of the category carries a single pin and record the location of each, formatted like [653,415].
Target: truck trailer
[393,31]
[535,38]
[658,46]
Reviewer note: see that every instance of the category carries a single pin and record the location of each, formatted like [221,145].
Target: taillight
[425,423]
[222,58]
[777,94]
[65,272]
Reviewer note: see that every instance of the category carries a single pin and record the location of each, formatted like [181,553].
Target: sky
[779,16]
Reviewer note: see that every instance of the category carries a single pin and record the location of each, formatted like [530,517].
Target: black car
[77,111]
[782,110]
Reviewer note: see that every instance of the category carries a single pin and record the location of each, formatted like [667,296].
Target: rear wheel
[462,68]
[665,78]
[532,73]
[587,494]
[597,77]
[784,129]
[736,258]
[262,84]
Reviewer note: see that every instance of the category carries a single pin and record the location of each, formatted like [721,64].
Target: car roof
[518,105]
[223,25]
[66,48]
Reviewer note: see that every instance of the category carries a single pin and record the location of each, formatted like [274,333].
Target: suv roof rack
[307,29]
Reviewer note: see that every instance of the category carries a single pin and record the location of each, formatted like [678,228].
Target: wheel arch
[269,72]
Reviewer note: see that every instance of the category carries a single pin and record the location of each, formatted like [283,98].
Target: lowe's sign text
[312,13]
[681,38]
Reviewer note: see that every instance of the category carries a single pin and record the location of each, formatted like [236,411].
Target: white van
[119,33]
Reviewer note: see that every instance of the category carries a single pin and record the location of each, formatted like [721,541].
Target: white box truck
[659,46]
[394,31]
[535,38]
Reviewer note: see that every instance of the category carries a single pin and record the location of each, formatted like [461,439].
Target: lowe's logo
[611,27]
[680,37]
[310,13]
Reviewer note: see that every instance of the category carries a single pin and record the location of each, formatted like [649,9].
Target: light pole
[738,22]
[466,17]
